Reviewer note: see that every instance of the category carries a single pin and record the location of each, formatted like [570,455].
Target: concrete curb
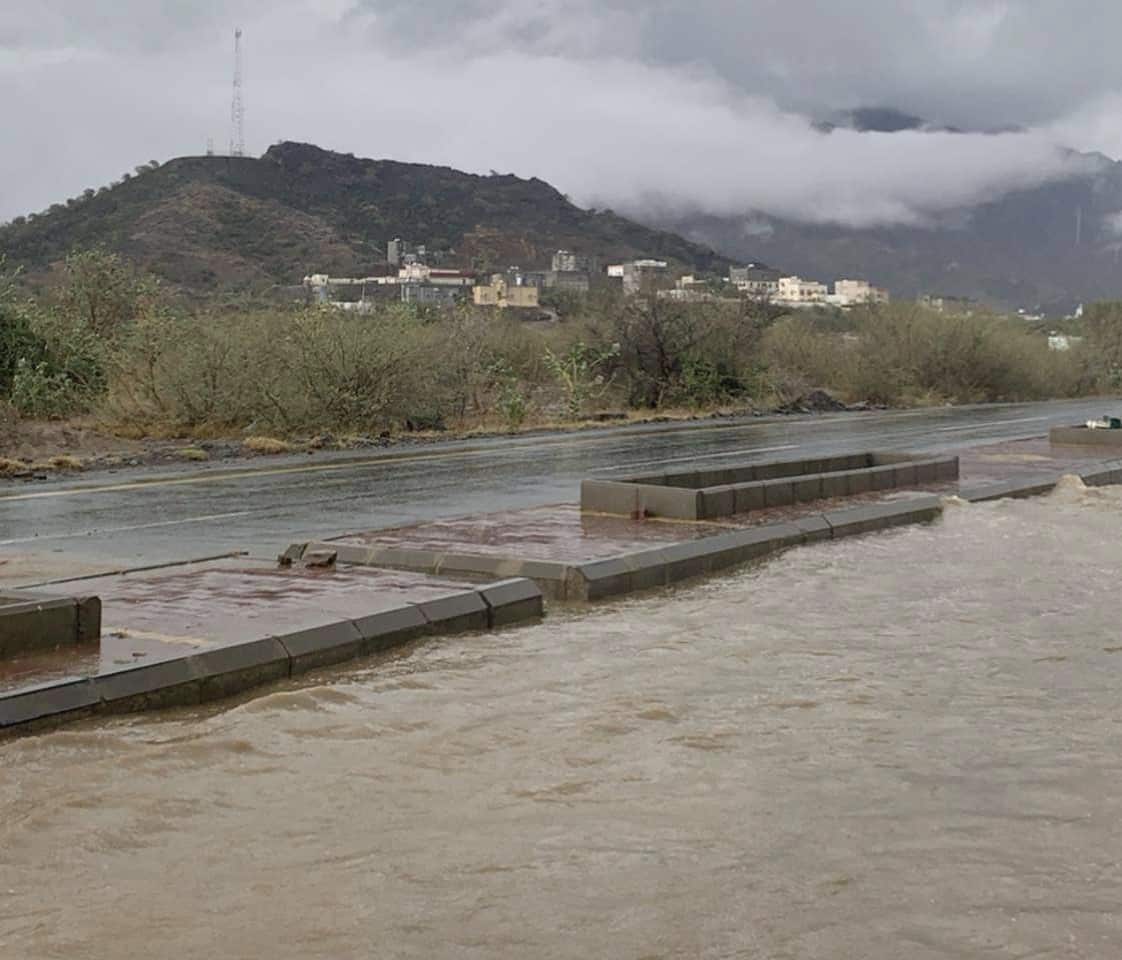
[712,494]
[32,620]
[1100,475]
[647,569]
[226,671]
[550,576]
[1084,437]
[1023,488]
[1104,475]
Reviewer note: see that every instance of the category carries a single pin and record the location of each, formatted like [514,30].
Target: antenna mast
[237,107]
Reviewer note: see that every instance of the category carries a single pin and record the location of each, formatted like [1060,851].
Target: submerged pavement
[120,520]
[192,632]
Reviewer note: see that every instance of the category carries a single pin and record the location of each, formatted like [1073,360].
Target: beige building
[795,291]
[502,294]
[848,293]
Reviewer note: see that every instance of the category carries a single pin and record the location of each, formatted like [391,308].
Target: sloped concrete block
[1083,436]
[685,561]
[926,472]
[89,618]
[946,469]
[293,552]
[808,489]
[749,497]
[344,552]
[883,478]
[814,528]
[617,576]
[715,478]
[403,558]
[779,493]
[843,463]
[171,683]
[512,601]
[859,482]
[719,501]
[670,502]
[744,546]
[1102,476]
[70,699]
[609,496]
[605,578]
[1010,489]
[31,622]
[322,646]
[648,569]
[454,612]
[388,629]
[835,485]
[904,476]
[229,670]
[879,516]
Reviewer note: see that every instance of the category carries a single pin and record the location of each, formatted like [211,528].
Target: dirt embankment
[37,450]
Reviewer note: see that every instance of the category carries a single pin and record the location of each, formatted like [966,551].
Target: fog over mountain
[663,109]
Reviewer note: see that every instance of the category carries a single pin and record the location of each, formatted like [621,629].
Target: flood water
[902,746]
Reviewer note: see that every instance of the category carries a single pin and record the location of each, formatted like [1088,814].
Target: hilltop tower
[237,106]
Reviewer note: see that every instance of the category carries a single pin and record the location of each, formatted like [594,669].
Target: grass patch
[192,453]
[266,445]
[12,468]
[64,463]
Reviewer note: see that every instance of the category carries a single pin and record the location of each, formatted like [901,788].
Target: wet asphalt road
[143,516]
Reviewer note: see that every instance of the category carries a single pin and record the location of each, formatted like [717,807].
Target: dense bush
[106,341]
[904,355]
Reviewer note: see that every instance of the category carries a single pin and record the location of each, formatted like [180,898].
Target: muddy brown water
[905,745]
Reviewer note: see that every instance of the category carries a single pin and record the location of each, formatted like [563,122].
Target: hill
[209,224]
[1048,248]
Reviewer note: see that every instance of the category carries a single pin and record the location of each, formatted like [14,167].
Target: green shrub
[40,391]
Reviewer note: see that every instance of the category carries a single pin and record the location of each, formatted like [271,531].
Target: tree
[18,343]
[656,337]
[1102,324]
[102,293]
[579,370]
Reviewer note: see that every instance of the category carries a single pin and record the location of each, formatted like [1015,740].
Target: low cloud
[619,104]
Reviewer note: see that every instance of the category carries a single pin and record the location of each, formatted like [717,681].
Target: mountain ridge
[217,222]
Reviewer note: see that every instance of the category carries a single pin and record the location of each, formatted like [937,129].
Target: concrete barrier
[1084,436]
[1010,489]
[233,669]
[512,601]
[551,576]
[31,621]
[712,494]
[1103,474]
[648,569]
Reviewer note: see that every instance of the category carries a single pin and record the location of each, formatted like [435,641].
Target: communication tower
[237,107]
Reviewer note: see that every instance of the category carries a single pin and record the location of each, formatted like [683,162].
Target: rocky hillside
[221,224]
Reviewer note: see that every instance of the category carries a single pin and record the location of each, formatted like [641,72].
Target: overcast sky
[624,103]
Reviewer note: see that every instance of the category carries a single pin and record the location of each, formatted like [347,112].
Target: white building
[565,261]
[1062,341]
[797,292]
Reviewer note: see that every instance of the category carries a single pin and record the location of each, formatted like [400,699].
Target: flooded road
[905,745]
